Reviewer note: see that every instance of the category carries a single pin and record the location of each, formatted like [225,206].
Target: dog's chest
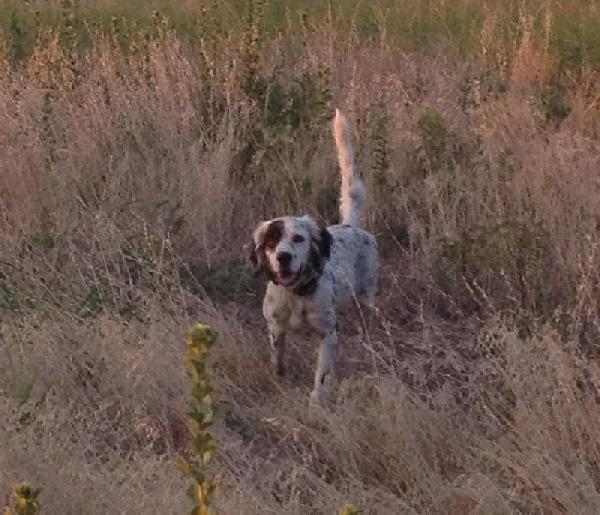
[299,319]
[293,313]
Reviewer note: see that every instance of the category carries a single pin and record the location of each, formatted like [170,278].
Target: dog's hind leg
[367,292]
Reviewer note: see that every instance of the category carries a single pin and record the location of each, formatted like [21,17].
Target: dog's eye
[298,238]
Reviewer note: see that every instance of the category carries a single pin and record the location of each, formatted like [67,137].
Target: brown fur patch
[269,239]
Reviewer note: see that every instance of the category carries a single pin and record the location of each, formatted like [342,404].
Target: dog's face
[290,250]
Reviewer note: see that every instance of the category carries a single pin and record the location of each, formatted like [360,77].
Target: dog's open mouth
[287,278]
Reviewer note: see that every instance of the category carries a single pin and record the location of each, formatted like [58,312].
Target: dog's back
[353,265]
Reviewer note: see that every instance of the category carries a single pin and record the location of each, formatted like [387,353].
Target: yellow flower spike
[26,499]
[183,466]
[200,417]
[208,456]
[202,335]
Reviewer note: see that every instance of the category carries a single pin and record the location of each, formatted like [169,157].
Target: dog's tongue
[285,278]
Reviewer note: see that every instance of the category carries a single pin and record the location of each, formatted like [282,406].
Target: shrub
[553,104]
[433,133]
[507,257]
[226,281]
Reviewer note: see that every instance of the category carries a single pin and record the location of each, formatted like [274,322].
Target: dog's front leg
[277,339]
[325,364]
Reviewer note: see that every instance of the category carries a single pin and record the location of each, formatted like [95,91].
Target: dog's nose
[284,258]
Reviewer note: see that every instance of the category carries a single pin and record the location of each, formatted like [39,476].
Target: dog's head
[291,251]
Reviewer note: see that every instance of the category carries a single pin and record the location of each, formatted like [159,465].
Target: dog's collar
[303,288]
[307,288]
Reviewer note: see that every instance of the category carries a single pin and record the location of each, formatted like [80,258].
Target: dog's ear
[253,257]
[256,249]
[320,247]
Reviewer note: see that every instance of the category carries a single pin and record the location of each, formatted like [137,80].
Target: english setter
[313,269]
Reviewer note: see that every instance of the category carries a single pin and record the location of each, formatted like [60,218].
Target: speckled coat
[324,268]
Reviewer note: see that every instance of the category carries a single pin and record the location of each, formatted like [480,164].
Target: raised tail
[352,195]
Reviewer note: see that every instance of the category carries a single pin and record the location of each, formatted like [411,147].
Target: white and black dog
[314,269]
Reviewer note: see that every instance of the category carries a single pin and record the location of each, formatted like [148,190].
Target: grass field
[140,145]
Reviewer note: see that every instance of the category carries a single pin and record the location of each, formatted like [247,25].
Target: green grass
[408,24]
[576,36]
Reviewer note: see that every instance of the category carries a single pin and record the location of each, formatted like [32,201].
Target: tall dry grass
[130,177]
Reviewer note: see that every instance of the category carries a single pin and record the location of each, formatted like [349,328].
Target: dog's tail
[352,196]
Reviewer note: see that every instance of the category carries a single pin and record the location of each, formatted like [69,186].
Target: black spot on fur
[325,243]
[320,252]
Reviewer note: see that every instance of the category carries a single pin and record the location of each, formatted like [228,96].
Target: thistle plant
[381,144]
[325,96]
[68,37]
[48,134]
[252,83]
[16,33]
[200,418]
[26,500]
[5,66]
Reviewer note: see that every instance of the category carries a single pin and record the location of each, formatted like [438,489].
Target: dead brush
[114,184]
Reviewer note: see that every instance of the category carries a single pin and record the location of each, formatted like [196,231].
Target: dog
[312,269]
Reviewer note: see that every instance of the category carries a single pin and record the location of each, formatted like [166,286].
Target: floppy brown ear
[253,258]
[256,250]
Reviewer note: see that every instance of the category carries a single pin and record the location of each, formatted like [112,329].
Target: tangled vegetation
[140,146]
